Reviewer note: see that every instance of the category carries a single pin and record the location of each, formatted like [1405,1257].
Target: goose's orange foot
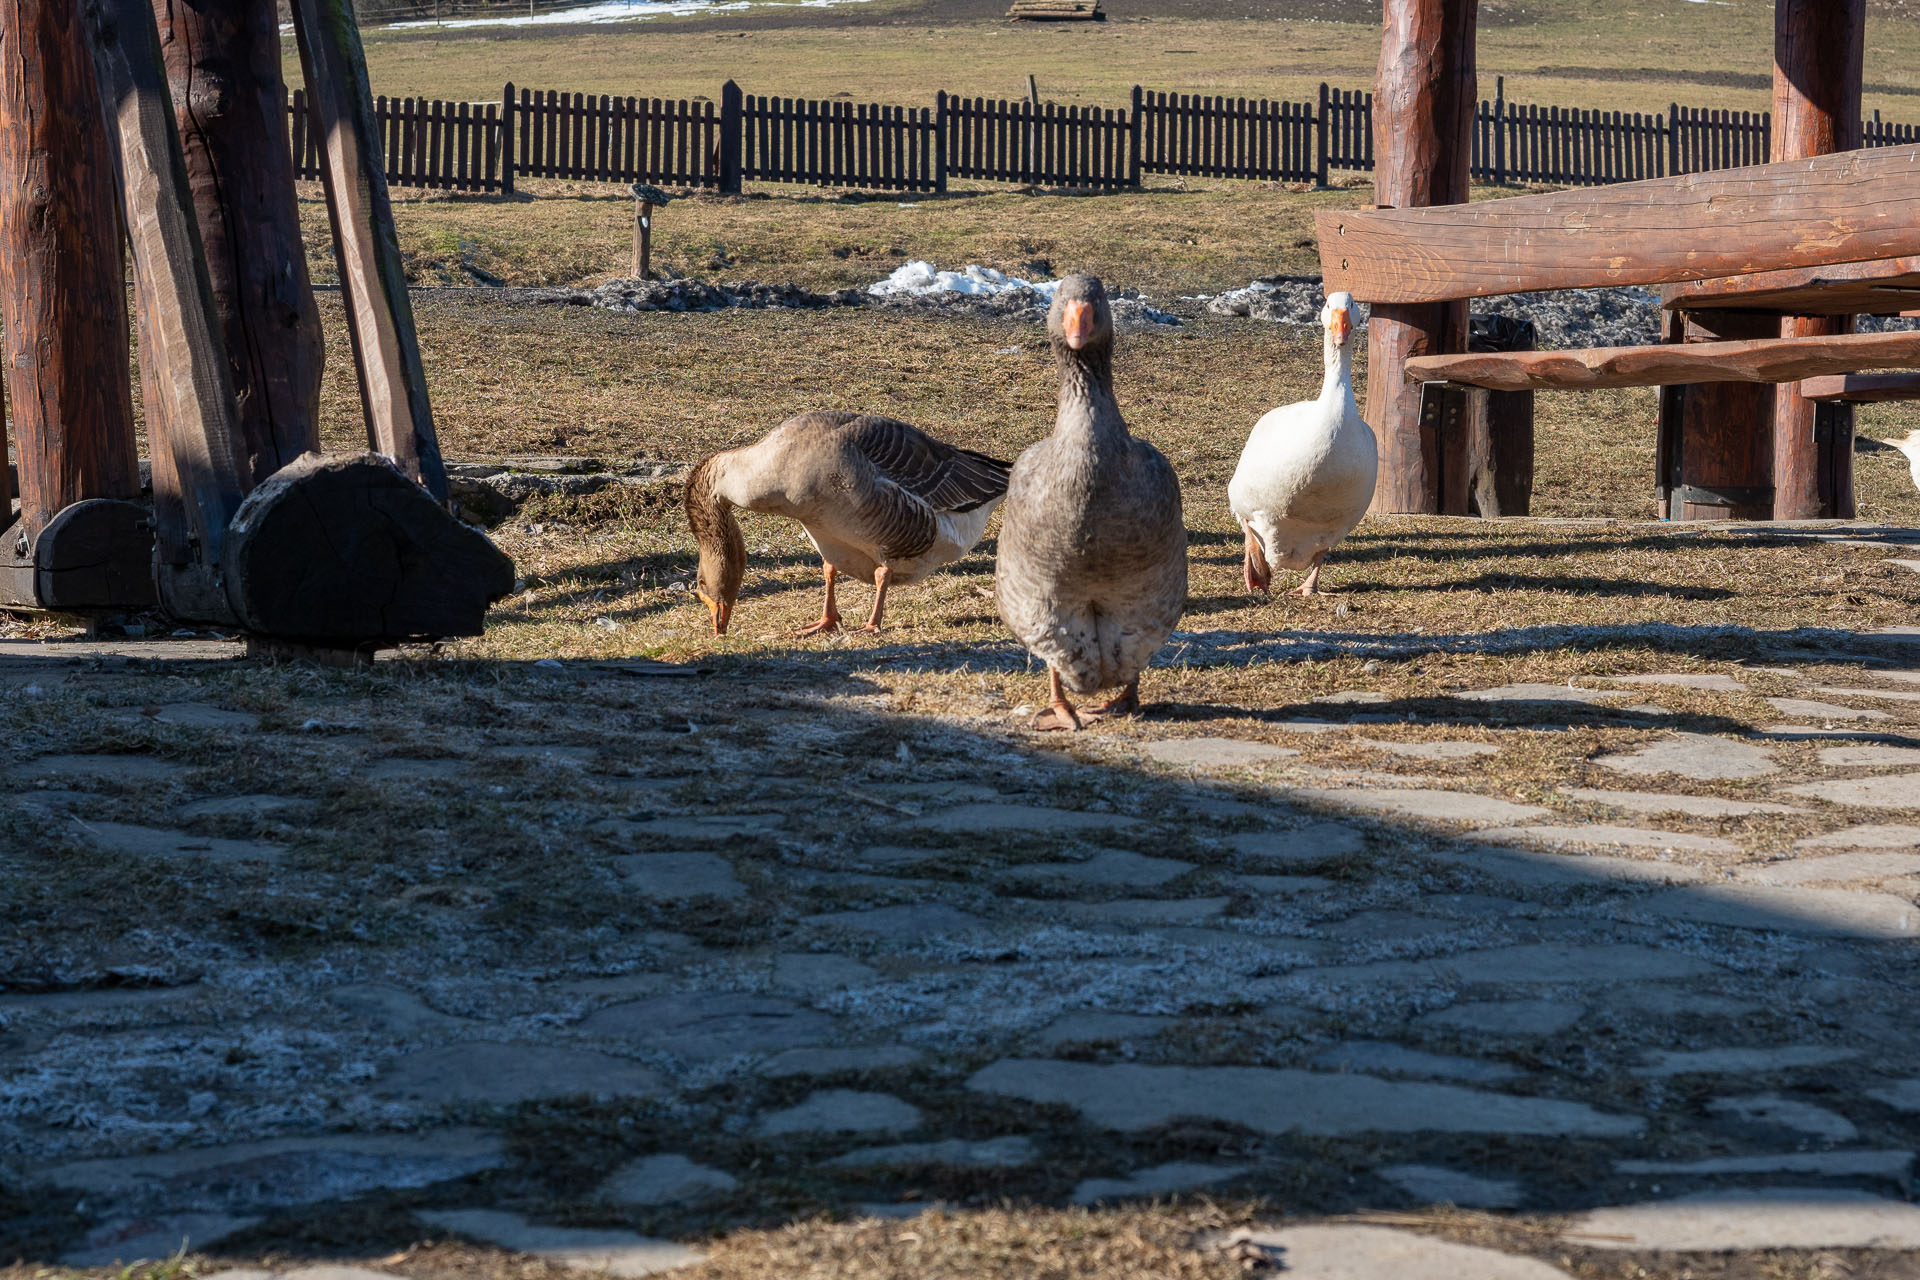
[1125,705]
[1060,717]
[1259,576]
[826,625]
[1311,587]
[870,628]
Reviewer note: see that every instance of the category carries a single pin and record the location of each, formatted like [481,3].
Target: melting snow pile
[1571,318]
[620,11]
[983,290]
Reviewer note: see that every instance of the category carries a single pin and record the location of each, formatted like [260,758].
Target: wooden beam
[1761,360]
[1881,286]
[1423,104]
[1861,388]
[229,100]
[386,351]
[182,352]
[62,298]
[1840,208]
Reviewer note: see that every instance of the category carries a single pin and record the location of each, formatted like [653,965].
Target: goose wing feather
[943,476]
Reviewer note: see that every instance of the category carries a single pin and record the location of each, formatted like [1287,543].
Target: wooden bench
[1057,11]
[1861,388]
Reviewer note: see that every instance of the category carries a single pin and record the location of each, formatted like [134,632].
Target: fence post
[506,139]
[1321,124]
[1133,139]
[1673,140]
[1500,131]
[730,125]
[940,142]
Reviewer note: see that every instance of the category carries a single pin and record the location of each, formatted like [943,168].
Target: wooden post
[1423,107]
[62,294]
[1721,432]
[1817,72]
[386,350]
[1322,124]
[730,124]
[506,139]
[642,238]
[229,100]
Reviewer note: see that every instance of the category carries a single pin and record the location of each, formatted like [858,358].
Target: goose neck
[1338,382]
[1087,404]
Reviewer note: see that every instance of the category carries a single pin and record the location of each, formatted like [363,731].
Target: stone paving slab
[1097,1026]
[1147,911]
[833,1060]
[1694,755]
[1385,1058]
[1810,709]
[1032,819]
[166,844]
[1710,682]
[132,770]
[1215,753]
[1693,806]
[1793,1057]
[1424,803]
[616,1253]
[1432,1184]
[1786,1113]
[1161,1180]
[665,1179]
[1763,1218]
[1604,835]
[1834,867]
[953,1153]
[677,876]
[842,1111]
[125,1241]
[1459,749]
[906,923]
[1868,836]
[1379,1253]
[1131,1097]
[1538,693]
[1904,1096]
[201,715]
[1873,755]
[505,1074]
[1830,912]
[1828,1164]
[1315,842]
[1890,695]
[1506,1017]
[1544,962]
[1109,867]
[248,806]
[699,1026]
[1887,791]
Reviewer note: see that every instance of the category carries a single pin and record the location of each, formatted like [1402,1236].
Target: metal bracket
[1701,495]
[1443,406]
[1831,420]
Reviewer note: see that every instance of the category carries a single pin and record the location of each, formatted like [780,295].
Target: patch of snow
[918,277]
[621,11]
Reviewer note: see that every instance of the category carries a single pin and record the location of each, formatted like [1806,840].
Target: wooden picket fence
[699,142]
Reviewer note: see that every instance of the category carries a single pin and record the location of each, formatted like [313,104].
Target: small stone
[1808,709]
[1694,755]
[1163,1179]
[826,1062]
[1693,806]
[1786,1113]
[1385,1058]
[1834,867]
[1379,1253]
[1680,1062]
[678,876]
[1444,750]
[126,1241]
[843,1111]
[703,1025]
[505,1074]
[1506,1018]
[817,973]
[656,1180]
[954,1153]
[1097,1026]
[971,818]
[1865,837]
[1851,757]
[253,806]
[617,1253]
[1830,912]
[1710,682]
[1215,753]
[1110,867]
[1760,1218]
[1432,1184]
[907,923]
[1888,791]
[1350,697]
[1315,842]
[1437,806]
[1596,833]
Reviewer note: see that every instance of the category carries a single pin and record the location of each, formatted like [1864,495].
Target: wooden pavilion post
[229,101]
[1818,48]
[1423,107]
[62,293]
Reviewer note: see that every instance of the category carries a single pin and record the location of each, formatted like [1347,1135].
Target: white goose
[1306,475]
[1909,444]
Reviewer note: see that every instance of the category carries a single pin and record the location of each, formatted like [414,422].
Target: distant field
[1593,53]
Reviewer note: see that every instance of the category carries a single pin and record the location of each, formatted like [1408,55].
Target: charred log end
[347,553]
[96,554]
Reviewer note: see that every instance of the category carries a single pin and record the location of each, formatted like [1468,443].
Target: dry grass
[1636,57]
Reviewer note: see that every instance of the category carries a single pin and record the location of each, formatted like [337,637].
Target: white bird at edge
[1306,475]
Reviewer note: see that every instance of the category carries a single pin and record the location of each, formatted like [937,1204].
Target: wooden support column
[1423,105]
[229,101]
[1721,434]
[1817,71]
[386,350]
[62,292]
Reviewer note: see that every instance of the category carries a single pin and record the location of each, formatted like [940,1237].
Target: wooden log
[1861,388]
[386,350]
[62,298]
[1423,108]
[94,554]
[1817,74]
[1848,207]
[1761,360]
[229,99]
[346,552]
[183,357]
[1721,432]
[1499,433]
[1880,286]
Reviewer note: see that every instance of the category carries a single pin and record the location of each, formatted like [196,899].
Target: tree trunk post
[229,100]
[1423,107]
[62,292]
[1722,437]
[1817,74]
[642,238]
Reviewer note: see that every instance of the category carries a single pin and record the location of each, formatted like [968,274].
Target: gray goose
[882,501]
[1092,571]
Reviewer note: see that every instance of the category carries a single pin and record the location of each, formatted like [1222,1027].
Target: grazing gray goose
[1092,572]
[882,501]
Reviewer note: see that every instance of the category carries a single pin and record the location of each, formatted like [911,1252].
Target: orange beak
[1076,322]
[1340,324]
[721,612]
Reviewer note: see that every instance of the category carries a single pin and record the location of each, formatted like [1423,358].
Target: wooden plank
[1885,286]
[386,351]
[1848,207]
[61,298]
[242,182]
[1758,360]
[1861,388]
[183,354]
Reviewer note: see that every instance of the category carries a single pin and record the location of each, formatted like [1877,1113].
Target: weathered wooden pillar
[62,285]
[229,100]
[1817,71]
[1423,105]
[1716,449]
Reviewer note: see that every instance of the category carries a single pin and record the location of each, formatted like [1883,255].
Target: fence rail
[700,143]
